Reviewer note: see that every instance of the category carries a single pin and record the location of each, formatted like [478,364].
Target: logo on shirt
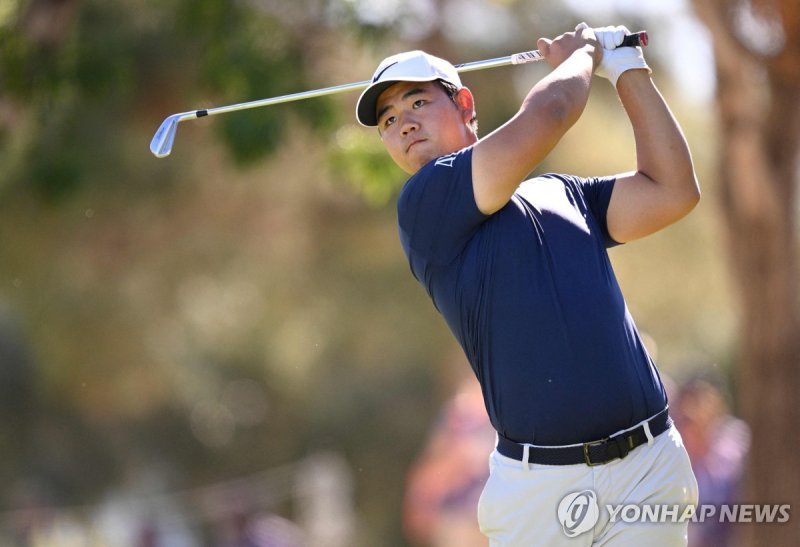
[446,161]
[578,512]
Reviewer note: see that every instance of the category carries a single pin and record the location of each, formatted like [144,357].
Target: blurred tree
[17,393]
[74,72]
[758,82]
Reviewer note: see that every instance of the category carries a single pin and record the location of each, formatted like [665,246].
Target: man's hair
[452,91]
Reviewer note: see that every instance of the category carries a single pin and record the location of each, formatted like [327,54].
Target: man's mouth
[415,142]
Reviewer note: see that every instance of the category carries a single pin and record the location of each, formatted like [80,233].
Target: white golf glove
[617,60]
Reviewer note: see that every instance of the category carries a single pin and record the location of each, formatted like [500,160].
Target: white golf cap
[411,66]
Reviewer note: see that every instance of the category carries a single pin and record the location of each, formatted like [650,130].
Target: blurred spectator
[261,530]
[324,493]
[444,484]
[717,444]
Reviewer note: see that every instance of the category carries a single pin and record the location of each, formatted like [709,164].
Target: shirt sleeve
[596,193]
[437,213]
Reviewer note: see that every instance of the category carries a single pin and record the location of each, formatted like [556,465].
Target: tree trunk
[758,94]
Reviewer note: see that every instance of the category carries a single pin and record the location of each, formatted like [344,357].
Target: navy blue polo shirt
[530,294]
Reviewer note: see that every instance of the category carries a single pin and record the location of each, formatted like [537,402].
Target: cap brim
[368,102]
[366,108]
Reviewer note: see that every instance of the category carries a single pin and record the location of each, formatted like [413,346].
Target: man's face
[419,122]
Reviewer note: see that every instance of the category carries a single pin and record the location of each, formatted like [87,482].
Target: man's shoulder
[447,164]
[547,183]
[574,184]
[559,178]
[455,164]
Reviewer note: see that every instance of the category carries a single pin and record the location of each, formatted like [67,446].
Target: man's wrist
[617,62]
[594,52]
[633,76]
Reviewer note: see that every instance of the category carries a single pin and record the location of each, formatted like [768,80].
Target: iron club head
[161,145]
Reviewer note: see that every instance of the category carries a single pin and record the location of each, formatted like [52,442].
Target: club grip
[635,39]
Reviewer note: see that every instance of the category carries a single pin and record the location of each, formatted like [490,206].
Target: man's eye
[388,121]
[418,103]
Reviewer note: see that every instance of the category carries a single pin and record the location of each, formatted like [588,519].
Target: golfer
[520,272]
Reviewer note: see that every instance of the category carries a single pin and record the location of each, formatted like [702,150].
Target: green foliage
[246,55]
[55,166]
[78,95]
[359,158]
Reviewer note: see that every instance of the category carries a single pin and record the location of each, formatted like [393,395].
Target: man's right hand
[557,50]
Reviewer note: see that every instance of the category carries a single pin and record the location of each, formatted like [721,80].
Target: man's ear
[466,104]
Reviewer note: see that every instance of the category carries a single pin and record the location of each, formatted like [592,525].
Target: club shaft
[514,59]
[356,86]
[161,145]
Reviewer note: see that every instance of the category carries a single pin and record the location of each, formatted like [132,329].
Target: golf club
[162,142]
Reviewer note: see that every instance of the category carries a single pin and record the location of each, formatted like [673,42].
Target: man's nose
[408,124]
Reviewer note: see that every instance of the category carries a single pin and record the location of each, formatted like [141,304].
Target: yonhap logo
[578,512]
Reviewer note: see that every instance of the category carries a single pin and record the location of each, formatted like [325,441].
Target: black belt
[592,453]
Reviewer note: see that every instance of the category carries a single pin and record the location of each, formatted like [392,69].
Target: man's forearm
[662,154]
[565,90]
[502,159]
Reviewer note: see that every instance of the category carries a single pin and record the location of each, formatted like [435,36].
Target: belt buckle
[586,458]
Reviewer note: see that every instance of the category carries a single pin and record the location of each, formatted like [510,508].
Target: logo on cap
[379,74]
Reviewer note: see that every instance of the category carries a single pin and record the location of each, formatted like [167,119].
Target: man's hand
[617,60]
[557,50]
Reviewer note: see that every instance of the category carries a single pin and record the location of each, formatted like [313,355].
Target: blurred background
[225,347]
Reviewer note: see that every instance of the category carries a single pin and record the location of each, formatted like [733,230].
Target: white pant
[518,506]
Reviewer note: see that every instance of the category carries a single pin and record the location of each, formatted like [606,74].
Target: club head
[161,145]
